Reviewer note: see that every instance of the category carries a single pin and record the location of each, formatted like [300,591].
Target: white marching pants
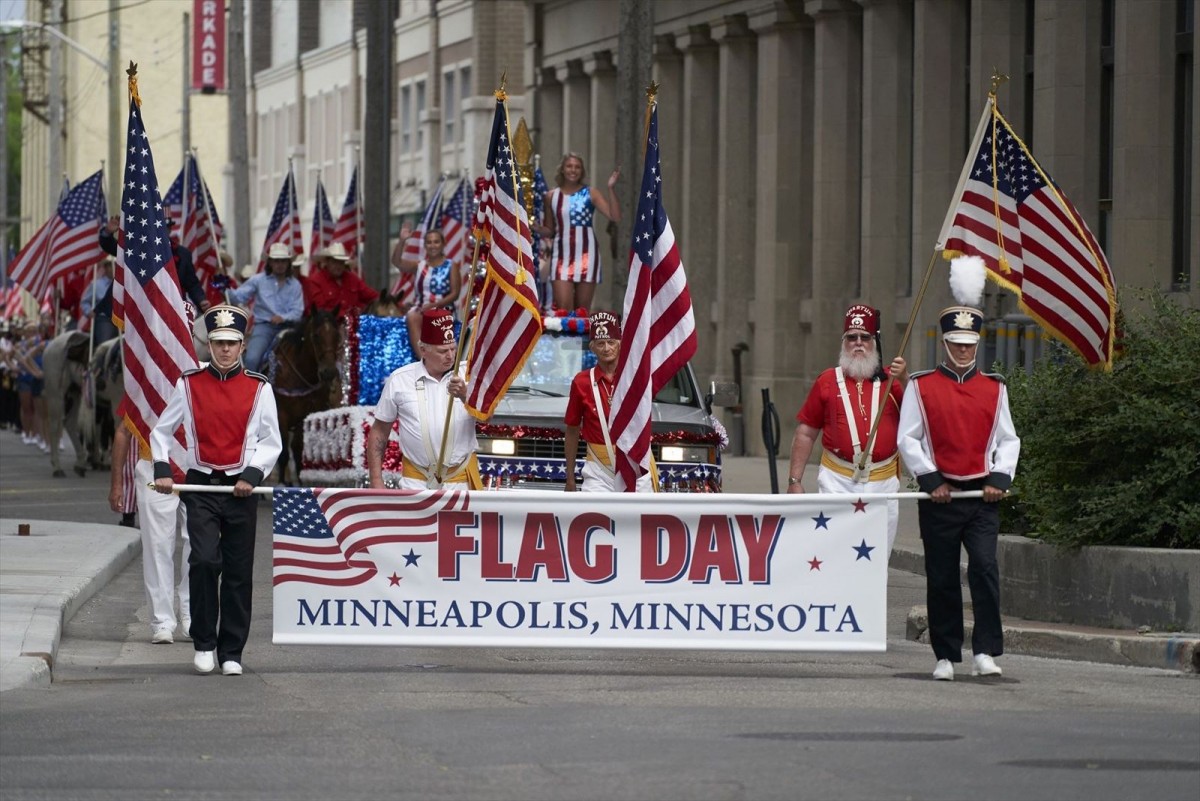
[597,479]
[836,484]
[163,521]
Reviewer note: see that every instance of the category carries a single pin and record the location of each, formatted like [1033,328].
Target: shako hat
[226,322]
[964,322]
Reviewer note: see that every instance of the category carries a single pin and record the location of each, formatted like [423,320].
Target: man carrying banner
[236,445]
[588,410]
[841,407]
[956,433]
[419,396]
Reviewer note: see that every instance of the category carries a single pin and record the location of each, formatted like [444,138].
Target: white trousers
[597,479]
[163,521]
[837,484]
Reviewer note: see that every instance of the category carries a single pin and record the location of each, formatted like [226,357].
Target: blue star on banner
[864,551]
[410,558]
[822,521]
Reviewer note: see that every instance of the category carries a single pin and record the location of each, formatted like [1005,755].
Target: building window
[418,111]
[406,120]
[449,108]
[1181,228]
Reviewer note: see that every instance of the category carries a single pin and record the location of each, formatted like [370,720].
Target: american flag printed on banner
[346,230]
[507,321]
[455,220]
[1008,211]
[325,536]
[658,334]
[414,247]
[147,302]
[322,226]
[285,222]
[67,242]
[197,224]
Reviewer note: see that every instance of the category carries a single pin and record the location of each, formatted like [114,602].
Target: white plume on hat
[967,278]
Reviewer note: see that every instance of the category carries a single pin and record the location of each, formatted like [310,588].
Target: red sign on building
[208,45]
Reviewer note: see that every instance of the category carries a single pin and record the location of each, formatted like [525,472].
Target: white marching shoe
[943,670]
[204,661]
[231,668]
[986,666]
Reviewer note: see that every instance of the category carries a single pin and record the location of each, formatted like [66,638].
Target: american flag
[1009,211]
[285,222]
[196,220]
[455,219]
[507,321]
[322,226]
[659,332]
[68,241]
[324,536]
[347,229]
[414,246]
[147,303]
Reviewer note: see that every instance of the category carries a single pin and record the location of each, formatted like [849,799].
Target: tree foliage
[1113,458]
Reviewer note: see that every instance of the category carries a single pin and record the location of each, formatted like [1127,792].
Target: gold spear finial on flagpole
[500,93]
[998,78]
[651,99]
[133,90]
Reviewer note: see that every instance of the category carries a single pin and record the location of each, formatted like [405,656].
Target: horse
[64,365]
[107,373]
[387,306]
[303,371]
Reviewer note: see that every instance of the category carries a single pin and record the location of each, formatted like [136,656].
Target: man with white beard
[841,407]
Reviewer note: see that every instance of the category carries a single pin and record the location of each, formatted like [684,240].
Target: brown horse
[304,375]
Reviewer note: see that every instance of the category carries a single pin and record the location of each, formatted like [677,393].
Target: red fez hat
[437,327]
[861,319]
[603,325]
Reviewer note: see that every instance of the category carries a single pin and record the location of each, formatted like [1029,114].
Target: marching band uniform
[419,401]
[844,409]
[956,429]
[587,414]
[232,432]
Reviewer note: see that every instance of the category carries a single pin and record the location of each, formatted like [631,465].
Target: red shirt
[581,405]
[347,294]
[825,410]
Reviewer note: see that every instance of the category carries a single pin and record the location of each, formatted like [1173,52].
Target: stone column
[1194,249]
[577,108]
[782,164]
[1143,153]
[601,158]
[668,73]
[696,229]
[998,41]
[942,129]
[887,165]
[735,187]
[547,140]
[837,151]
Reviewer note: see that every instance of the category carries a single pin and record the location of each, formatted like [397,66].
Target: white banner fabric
[519,569]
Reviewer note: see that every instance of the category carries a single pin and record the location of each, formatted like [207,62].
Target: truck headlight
[683,453]
[499,447]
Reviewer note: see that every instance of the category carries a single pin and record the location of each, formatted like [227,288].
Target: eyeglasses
[857,337]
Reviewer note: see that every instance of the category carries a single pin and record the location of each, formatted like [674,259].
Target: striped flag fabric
[507,321]
[67,242]
[147,302]
[195,218]
[1008,211]
[414,247]
[322,224]
[455,220]
[285,222]
[325,536]
[346,230]
[658,334]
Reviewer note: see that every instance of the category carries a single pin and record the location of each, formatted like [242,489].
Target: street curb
[1181,653]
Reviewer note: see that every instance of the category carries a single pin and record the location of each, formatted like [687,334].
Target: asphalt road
[125,719]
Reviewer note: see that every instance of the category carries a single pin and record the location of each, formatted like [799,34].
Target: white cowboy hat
[336,251]
[278,250]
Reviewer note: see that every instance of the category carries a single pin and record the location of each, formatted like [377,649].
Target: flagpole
[291,208]
[186,198]
[212,225]
[358,210]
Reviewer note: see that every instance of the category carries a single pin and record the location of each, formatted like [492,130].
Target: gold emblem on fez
[224,318]
[963,320]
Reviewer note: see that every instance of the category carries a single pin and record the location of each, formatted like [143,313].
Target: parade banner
[520,569]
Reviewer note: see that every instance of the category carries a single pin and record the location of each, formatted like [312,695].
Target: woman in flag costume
[437,282]
[569,211]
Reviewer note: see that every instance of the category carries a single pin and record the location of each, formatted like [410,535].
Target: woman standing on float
[575,254]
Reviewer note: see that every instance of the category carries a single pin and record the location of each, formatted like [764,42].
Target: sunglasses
[857,337]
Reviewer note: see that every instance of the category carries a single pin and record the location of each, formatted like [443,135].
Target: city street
[125,719]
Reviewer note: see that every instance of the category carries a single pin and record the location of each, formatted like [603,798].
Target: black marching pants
[945,529]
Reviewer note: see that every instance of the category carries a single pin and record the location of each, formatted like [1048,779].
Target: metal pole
[4,166]
[377,154]
[239,149]
[115,88]
[185,125]
[56,109]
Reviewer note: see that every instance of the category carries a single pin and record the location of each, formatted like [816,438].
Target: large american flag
[346,230]
[324,536]
[456,218]
[196,220]
[1009,211]
[659,332]
[322,226]
[414,247]
[67,242]
[147,302]
[507,321]
[285,222]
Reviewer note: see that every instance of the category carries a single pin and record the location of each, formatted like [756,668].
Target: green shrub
[1113,458]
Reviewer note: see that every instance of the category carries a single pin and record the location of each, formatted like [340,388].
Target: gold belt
[889,469]
[465,472]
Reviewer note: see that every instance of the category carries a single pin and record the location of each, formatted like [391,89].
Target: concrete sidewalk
[46,576]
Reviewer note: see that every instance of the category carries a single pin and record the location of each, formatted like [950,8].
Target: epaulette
[259,376]
[993,376]
[918,374]
[192,371]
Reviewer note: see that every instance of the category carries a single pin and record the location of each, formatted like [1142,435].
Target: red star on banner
[860,505]
[394,580]
[814,564]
